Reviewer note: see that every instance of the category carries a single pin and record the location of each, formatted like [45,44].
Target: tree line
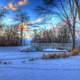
[51,36]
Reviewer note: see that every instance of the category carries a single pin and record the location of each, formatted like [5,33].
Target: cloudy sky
[27,8]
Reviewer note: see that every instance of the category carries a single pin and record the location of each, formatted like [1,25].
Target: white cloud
[39,20]
[8,21]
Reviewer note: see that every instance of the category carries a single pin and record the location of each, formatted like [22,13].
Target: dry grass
[55,56]
[75,52]
[65,55]
[9,43]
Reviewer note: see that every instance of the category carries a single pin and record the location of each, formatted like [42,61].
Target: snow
[20,68]
[54,50]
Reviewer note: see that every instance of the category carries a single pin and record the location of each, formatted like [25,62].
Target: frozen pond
[18,69]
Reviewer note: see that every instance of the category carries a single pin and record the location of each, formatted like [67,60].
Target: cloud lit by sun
[22,2]
[15,6]
[12,7]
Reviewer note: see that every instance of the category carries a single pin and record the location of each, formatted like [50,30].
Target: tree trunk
[21,41]
[73,38]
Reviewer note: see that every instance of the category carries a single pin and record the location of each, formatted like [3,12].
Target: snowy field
[20,67]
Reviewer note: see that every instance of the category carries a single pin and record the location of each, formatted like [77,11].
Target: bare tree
[69,14]
[66,10]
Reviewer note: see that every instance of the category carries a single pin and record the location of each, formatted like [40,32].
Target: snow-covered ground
[21,68]
[54,50]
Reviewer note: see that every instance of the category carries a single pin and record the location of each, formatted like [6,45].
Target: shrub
[65,55]
[57,55]
[38,48]
[51,56]
[75,52]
